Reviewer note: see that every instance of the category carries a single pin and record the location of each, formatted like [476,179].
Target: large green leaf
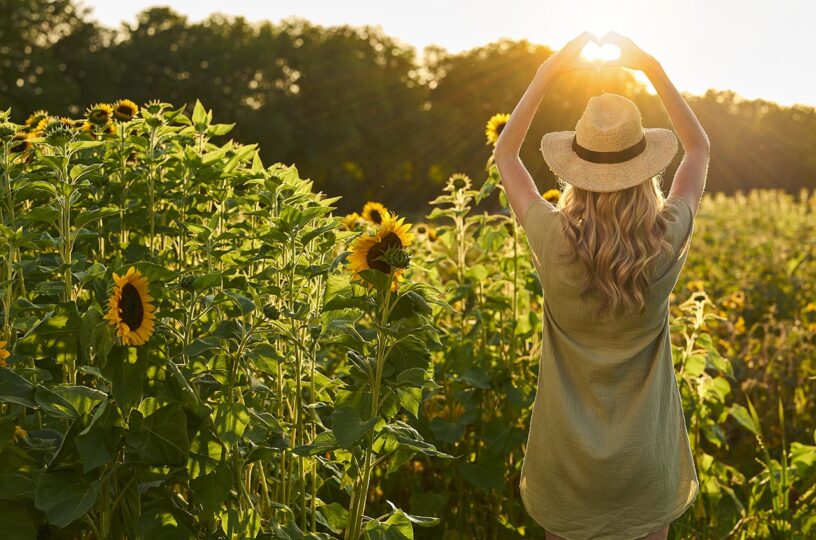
[15,522]
[348,427]
[99,442]
[126,368]
[162,436]
[65,496]
[15,389]
[229,421]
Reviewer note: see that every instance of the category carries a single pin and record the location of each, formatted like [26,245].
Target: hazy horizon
[755,49]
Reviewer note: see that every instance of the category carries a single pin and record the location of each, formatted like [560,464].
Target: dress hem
[649,528]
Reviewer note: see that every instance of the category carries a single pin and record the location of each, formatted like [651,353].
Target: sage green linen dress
[608,454]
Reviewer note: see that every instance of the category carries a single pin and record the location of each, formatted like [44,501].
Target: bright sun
[604,53]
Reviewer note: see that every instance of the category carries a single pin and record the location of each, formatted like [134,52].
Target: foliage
[352,106]
[277,397]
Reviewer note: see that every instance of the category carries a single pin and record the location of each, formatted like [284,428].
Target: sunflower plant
[389,353]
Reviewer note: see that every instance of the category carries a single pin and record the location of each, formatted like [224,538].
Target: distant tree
[357,111]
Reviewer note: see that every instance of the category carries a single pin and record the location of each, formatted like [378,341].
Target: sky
[759,49]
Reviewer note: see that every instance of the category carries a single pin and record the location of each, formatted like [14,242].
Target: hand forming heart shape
[588,52]
[600,54]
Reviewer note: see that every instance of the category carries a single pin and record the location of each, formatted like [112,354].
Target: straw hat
[609,149]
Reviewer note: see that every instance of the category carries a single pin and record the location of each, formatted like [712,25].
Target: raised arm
[690,178]
[518,184]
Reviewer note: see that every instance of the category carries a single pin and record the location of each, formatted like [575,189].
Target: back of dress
[607,454]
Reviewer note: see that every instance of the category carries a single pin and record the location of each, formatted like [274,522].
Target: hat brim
[661,146]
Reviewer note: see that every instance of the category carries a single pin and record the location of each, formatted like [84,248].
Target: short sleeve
[680,220]
[538,223]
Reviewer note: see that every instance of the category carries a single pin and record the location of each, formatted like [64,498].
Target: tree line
[362,114]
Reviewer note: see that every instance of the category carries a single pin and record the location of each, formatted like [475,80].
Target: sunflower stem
[358,510]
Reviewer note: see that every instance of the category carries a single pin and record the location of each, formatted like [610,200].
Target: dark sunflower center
[499,128]
[376,217]
[390,239]
[131,307]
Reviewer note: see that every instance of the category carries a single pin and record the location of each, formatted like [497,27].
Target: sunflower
[366,250]
[110,128]
[423,230]
[130,310]
[3,353]
[19,433]
[458,181]
[495,126]
[125,110]
[100,114]
[374,212]
[35,118]
[551,195]
[7,130]
[20,143]
[350,221]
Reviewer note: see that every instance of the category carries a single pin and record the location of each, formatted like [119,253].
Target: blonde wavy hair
[616,235]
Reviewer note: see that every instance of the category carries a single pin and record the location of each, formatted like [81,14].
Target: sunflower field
[195,346]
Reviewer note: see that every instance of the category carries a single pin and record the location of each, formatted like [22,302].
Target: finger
[613,38]
[579,42]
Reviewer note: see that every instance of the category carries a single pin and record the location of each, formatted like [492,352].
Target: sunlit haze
[759,49]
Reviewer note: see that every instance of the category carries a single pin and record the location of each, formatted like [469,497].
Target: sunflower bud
[458,182]
[396,257]
[186,281]
[271,312]
[58,130]
[7,131]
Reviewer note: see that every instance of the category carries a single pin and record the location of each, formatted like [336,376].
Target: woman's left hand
[569,57]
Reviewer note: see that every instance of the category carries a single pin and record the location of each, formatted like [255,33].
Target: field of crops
[195,346]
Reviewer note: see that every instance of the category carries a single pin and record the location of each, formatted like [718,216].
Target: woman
[608,454]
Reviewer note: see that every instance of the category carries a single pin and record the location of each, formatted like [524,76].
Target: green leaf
[162,436]
[154,273]
[695,365]
[336,516]
[229,421]
[91,215]
[240,524]
[741,415]
[242,302]
[396,527]
[207,281]
[348,427]
[199,114]
[324,442]
[82,398]
[126,369]
[212,489]
[98,443]
[15,522]
[485,475]
[64,496]
[54,404]
[15,389]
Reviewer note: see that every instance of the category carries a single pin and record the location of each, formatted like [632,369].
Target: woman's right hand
[631,56]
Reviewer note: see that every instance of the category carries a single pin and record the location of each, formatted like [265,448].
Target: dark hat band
[609,157]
